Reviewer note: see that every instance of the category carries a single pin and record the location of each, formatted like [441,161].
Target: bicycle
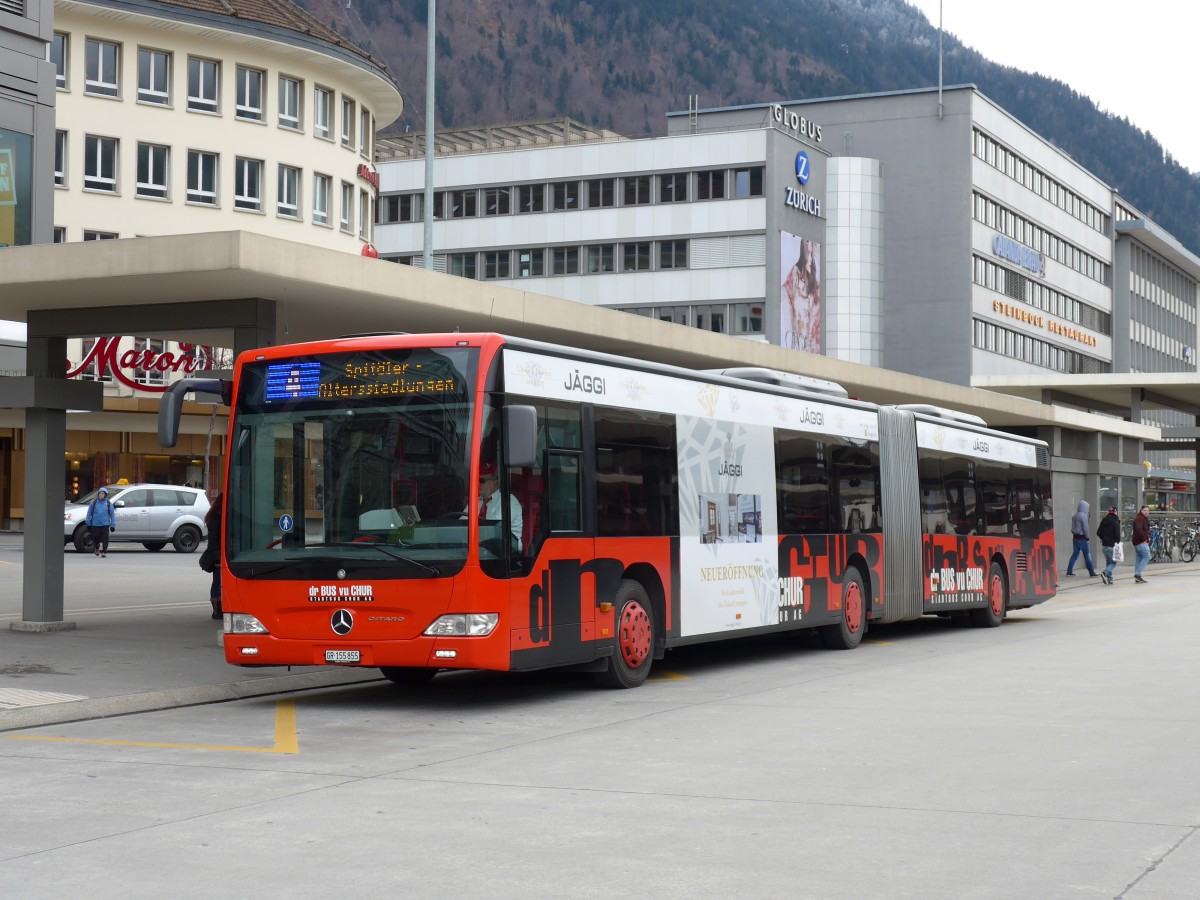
[1188,543]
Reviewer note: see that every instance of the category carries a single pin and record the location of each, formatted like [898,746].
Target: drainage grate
[15,698]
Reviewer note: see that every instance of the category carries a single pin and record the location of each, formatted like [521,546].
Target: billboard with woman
[800,293]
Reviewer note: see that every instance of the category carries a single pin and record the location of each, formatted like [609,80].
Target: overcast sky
[1133,58]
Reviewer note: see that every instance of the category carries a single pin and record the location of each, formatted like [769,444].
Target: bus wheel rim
[852,602]
[996,595]
[633,635]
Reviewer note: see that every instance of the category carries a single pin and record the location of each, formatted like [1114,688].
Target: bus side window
[802,483]
[637,473]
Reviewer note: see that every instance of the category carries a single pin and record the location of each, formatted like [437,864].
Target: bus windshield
[351,461]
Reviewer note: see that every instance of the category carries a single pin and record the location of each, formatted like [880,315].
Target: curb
[106,707]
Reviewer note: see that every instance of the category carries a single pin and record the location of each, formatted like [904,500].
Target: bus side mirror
[520,436]
[171,405]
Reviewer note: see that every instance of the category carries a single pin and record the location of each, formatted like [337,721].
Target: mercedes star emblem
[342,622]
[341,573]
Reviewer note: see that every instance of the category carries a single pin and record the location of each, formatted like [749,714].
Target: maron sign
[190,359]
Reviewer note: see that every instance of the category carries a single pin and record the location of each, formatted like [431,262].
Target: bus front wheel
[992,615]
[633,649]
[848,632]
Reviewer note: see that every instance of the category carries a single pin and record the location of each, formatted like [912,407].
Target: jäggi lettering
[587,384]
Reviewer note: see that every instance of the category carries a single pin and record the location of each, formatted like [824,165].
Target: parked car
[150,514]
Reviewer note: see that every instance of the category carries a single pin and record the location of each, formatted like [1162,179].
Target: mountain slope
[622,64]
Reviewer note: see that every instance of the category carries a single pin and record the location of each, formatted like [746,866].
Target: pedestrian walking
[1080,531]
[101,519]
[1109,533]
[1141,543]
[210,559]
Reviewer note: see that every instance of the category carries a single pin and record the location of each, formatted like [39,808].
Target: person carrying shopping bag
[1109,533]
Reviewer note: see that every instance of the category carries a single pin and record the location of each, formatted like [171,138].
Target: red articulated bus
[471,501]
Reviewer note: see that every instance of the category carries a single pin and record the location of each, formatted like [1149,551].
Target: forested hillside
[623,64]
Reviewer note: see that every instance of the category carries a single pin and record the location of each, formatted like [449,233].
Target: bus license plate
[342,656]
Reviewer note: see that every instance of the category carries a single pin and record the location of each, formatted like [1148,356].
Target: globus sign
[190,358]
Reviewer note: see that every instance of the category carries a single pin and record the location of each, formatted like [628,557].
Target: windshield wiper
[387,551]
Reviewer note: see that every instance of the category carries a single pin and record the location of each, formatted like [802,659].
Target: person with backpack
[101,519]
[1109,533]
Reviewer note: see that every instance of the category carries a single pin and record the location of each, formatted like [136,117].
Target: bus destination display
[355,377]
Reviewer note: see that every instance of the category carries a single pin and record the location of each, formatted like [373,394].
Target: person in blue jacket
[101,519]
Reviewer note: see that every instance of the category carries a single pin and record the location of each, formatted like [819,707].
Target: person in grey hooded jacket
[1080,536]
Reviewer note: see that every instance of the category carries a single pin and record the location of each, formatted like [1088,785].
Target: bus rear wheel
[634,647]
[992,615]
[848,633]
[412,676]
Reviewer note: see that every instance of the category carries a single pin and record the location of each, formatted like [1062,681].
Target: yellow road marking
[286,738]
[880,643]
[668,676]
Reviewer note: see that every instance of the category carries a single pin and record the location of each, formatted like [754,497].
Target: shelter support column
[45,395]
[42,591]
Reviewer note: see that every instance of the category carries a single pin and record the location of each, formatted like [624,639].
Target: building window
[287,201]
[399,208]
[637,190]
[747,318]
[497,264]
[672,254]
[322,111]
[748,182]
[566,194]
[152,171]
[710,318]
[710,185]
[347,122]
[58,55]
[531,262]
[60,159]
[99,235]
[364,215]
[103,68]
[204,78]
[463,204]
[92,372]
[346,217]
[249,94]
[601,192]
[100,164]
[154,76]
[461,264]
[60,234]
[497,201]
[672,188]
[202,178]
[247,184]
[566,261]
[155,346]
[364,133]
[600,258]
[636,257]
[290,92]
[531,198]
[322,185]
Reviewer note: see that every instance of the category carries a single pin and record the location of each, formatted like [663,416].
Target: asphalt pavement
[144,640]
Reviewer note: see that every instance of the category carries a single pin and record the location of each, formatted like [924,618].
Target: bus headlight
[463,625]
[241,623]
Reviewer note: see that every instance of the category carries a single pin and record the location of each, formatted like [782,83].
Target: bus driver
[490,499]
